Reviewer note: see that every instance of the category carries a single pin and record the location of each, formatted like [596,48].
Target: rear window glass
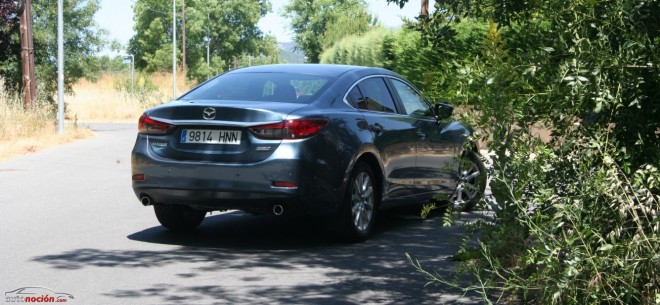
[267,87]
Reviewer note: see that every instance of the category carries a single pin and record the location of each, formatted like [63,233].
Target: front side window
[413,103]
[375,96]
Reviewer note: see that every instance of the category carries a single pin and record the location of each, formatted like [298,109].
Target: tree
[82,40]
[229,26]
[7,11]
[10,47]
[576,218]
[317,24]
[348,23]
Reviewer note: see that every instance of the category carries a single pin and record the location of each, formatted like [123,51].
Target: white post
[208,47]
[173,49]
[208,55]
[60,68]
[132,70]
[132,74]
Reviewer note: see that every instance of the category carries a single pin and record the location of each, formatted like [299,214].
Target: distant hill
[289,54]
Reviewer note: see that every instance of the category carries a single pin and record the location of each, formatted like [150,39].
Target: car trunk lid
[217,131]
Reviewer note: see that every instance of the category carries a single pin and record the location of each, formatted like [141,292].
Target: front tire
[472,182]
[358,213]
[179,217]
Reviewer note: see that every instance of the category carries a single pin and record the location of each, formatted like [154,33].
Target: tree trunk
[425,8]
[27,56]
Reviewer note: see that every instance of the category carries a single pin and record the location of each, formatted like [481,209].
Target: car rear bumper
[219,186]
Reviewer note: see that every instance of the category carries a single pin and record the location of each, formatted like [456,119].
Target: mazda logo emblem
[209,113]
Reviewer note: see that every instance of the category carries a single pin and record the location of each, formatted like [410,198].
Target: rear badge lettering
[159,144]
[263,148]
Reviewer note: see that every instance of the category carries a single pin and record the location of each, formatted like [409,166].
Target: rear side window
[267,87]
[354,97]
[375,96]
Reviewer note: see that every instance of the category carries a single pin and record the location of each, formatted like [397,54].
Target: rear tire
[179,217]
[358,211]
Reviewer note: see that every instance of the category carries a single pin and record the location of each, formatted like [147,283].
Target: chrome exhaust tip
[278,209]
[145,200]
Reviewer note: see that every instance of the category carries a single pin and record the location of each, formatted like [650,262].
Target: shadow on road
[237,230]
[268,259]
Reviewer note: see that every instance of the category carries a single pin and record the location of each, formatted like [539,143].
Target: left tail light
[149,126]
[289,129]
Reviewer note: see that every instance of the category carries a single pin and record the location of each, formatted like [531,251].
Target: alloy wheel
[362,201]
[471,183]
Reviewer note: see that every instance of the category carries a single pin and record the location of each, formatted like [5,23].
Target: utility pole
[27,55]
[425,9]
[183,40]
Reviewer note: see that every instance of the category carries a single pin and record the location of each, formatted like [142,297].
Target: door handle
[376,128]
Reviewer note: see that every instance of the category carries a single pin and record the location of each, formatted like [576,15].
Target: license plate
[206,136]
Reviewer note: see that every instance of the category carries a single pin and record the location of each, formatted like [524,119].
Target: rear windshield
[268,87]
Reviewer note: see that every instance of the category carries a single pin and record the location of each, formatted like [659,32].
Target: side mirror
[443,111]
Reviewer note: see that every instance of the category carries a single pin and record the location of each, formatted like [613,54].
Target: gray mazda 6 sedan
[335,140]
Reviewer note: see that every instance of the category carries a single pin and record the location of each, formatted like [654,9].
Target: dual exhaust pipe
[278,209]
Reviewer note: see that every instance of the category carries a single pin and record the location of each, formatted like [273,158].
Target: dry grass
[24,132]
[110,99]
[46,138]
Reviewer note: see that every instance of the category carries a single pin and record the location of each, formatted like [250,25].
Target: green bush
[577,213]
[363,49]
[429,67]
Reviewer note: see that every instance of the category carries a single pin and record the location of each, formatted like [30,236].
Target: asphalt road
[70,222]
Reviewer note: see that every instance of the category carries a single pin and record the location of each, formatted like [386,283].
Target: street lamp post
[208,53]
[173,49]
[60,67]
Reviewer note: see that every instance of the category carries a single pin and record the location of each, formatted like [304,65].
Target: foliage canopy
[317,25]
[229,27]
[576,212]
[432,68]
[82,40]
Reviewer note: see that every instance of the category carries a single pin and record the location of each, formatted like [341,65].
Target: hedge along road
[71,223]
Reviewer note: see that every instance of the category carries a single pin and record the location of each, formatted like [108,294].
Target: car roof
[315,69]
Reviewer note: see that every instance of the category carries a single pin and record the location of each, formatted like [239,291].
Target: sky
[116,16]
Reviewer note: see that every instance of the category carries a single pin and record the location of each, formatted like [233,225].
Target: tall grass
[17,123]
[113,98]
[23,131]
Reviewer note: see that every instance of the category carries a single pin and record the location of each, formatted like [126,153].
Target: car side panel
[437,156]
[395,138]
